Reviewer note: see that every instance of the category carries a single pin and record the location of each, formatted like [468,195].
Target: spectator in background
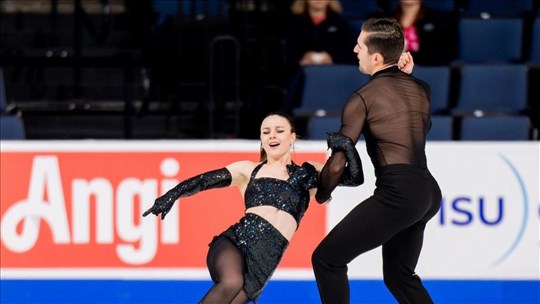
[430,35]
[316,35]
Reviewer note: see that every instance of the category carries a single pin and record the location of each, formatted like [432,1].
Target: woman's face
[276,136]
[409,2]
[318,4]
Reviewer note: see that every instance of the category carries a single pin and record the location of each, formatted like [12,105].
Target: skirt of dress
[262,246]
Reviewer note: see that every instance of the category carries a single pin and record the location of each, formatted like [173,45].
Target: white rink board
[463,241]
[487,229]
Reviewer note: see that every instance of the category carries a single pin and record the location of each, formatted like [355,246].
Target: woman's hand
[316,58]
[162,205]
[406,63]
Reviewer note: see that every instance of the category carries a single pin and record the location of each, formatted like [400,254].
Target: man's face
[364,58]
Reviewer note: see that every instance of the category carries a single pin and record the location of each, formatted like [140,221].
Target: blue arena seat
[499,7]
[495,128]
[3,100]
[492,89]
[354,9]
[11,127]
[535,42]
[495,40]
[326,88]
[438,78]
[439,5]
[441,128]
[205,8]
[356,25]
[319,126]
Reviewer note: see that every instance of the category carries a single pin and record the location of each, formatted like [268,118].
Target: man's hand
[406,63]
[322,200]
[327,201]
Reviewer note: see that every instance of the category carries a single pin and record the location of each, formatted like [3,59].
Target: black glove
[162,204]
[353,174]
[305,175]
[213,179]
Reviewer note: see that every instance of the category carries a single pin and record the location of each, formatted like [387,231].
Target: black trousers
[395,216]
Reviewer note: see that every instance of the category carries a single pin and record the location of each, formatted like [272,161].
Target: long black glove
[213,179]
[353,174]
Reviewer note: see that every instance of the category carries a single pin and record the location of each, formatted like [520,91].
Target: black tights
[226,265]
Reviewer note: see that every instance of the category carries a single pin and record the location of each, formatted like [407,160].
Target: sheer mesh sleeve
[392,111]
[352,119]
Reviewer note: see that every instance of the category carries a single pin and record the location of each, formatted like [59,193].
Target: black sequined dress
[261,244]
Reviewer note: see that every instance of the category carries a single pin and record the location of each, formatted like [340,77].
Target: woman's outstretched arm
[233,174]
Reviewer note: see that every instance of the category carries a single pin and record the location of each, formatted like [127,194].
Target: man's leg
[400,256]
[367,226]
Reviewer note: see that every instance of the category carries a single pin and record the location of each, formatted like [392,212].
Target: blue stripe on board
[277,291]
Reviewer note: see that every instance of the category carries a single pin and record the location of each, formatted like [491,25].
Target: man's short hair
[385,36]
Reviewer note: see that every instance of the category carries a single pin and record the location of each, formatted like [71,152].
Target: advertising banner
[73,210]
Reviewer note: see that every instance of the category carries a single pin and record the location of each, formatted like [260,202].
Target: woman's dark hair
[281,114]
[385,36]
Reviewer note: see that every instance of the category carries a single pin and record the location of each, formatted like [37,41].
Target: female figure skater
[276,191]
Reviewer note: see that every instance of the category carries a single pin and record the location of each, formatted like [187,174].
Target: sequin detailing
[291,195]
[218,178]
[262,246]
[353,174]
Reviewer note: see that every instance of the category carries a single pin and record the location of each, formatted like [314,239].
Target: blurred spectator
[316,34]
[430,35]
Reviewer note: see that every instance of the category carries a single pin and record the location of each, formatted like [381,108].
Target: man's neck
[382,67]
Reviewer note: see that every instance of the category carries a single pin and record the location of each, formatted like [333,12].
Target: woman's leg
[241,298]
[226,265]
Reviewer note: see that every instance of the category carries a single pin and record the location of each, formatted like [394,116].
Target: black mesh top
[392,111]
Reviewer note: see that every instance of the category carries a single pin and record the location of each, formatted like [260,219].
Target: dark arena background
[104,104]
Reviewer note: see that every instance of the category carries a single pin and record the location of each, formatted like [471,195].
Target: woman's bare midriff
[281,220]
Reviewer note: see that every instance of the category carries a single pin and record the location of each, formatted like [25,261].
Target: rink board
[72,232]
